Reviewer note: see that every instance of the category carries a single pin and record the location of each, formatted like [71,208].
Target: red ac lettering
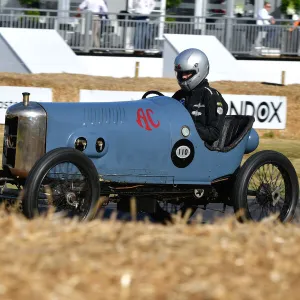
[148,111]
[145,119]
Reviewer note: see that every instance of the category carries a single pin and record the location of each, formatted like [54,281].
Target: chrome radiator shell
[24,137]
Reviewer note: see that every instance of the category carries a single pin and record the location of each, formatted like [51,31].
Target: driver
[205,104]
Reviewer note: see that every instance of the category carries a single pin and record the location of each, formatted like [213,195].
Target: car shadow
[213,212]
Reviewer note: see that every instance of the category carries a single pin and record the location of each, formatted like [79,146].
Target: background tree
[173,3]
[290,5]
[31,4]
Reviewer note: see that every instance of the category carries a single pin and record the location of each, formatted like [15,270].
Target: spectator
[142,9]
[293,43]
[296,23]
[99,9]
[264,18]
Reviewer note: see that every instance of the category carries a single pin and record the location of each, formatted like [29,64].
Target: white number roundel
[183,152]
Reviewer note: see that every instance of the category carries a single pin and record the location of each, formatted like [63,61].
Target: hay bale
[66,88]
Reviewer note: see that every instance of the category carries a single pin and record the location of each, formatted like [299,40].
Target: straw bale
[54,258]
[66,88]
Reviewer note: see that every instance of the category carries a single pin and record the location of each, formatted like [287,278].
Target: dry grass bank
[55,259]
[66,88]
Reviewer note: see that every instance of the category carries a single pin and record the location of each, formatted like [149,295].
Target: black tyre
[65,180]
[265,185]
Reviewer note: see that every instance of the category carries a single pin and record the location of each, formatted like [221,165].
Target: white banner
[269,111]
[10,95]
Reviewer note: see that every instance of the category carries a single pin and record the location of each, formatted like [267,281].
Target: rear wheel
[65,180]
[266,184]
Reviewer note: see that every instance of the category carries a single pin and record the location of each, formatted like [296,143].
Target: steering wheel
[152,92]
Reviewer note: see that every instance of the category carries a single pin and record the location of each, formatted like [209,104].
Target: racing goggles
[185,75]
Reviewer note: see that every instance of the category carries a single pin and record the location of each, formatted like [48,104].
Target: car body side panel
[130,150]
[139,137]
[207,165]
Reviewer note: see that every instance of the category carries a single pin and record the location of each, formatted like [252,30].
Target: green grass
[290,148]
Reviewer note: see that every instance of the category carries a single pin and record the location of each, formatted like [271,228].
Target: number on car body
[183,152]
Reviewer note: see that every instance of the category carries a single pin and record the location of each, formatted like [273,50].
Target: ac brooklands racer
[138,148]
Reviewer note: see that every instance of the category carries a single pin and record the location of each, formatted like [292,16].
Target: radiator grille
[10,141]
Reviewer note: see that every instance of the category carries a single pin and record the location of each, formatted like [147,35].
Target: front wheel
[266,184]
[65,180]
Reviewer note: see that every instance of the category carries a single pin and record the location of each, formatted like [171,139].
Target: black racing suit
[207,108]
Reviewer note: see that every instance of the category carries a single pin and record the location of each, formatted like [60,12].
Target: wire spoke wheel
[267,184]
[64,180]
[267,194]
[66,189]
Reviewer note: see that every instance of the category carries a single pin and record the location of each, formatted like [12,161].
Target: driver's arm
[216,111]
[179,95]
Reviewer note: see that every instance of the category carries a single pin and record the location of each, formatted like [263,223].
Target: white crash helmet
[191,61]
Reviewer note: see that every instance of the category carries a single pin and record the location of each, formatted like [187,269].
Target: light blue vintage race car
[67,155]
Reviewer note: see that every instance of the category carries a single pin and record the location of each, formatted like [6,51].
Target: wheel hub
[72,199]
[264,193]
